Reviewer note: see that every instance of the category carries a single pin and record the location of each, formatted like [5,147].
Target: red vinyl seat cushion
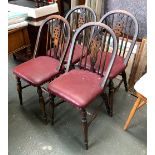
[117,68]
[38,70]
[76,55]
[79,87]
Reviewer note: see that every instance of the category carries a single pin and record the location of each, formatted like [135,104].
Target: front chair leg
[85,127]
[52,106]
[19,89]
[110,97]
[42,104]
[125,80]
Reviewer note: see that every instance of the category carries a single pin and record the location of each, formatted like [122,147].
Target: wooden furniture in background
[65,5]
[62,4]
[61,7]
[81,2]
[139,64]
[18,40]
[35,17]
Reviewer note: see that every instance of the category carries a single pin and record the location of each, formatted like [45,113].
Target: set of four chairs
[81,59]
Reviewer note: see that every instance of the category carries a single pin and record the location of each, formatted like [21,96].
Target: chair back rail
[55,31]
[125,26]
[80,15]
[95,49]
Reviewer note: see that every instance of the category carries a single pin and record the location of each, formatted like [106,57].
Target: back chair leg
[52,106]
[105,99]
[42,104]
[19,89]
[14,57]
[85,127]
[125,80]
[110,97]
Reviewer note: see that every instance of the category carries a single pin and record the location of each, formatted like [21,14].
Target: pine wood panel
[139,64]
[18,39]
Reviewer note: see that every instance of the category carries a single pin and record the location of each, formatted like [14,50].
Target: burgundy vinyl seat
[37,71]
[73,86]
[117,68]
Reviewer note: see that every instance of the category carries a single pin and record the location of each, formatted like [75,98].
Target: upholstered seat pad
[38,70]
[76,55]
[79,87]
[117,68]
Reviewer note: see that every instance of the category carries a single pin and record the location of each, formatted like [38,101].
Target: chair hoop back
[95,49]
[125,26]
[57,36]
[80,15]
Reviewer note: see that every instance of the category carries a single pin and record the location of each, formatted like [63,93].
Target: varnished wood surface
[62,7]
[141,100]
[18,40]
[139,64]
[81,2]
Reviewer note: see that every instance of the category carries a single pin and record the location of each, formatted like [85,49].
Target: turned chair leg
[42,104]
[85,127]
[19,89]
[105,99]
[132,112]
[125,80]
[52,106]
[110,97]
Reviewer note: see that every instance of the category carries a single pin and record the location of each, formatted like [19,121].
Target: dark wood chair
[76,18]
[80,86]
[125,26]
[42,69]
[80,15]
